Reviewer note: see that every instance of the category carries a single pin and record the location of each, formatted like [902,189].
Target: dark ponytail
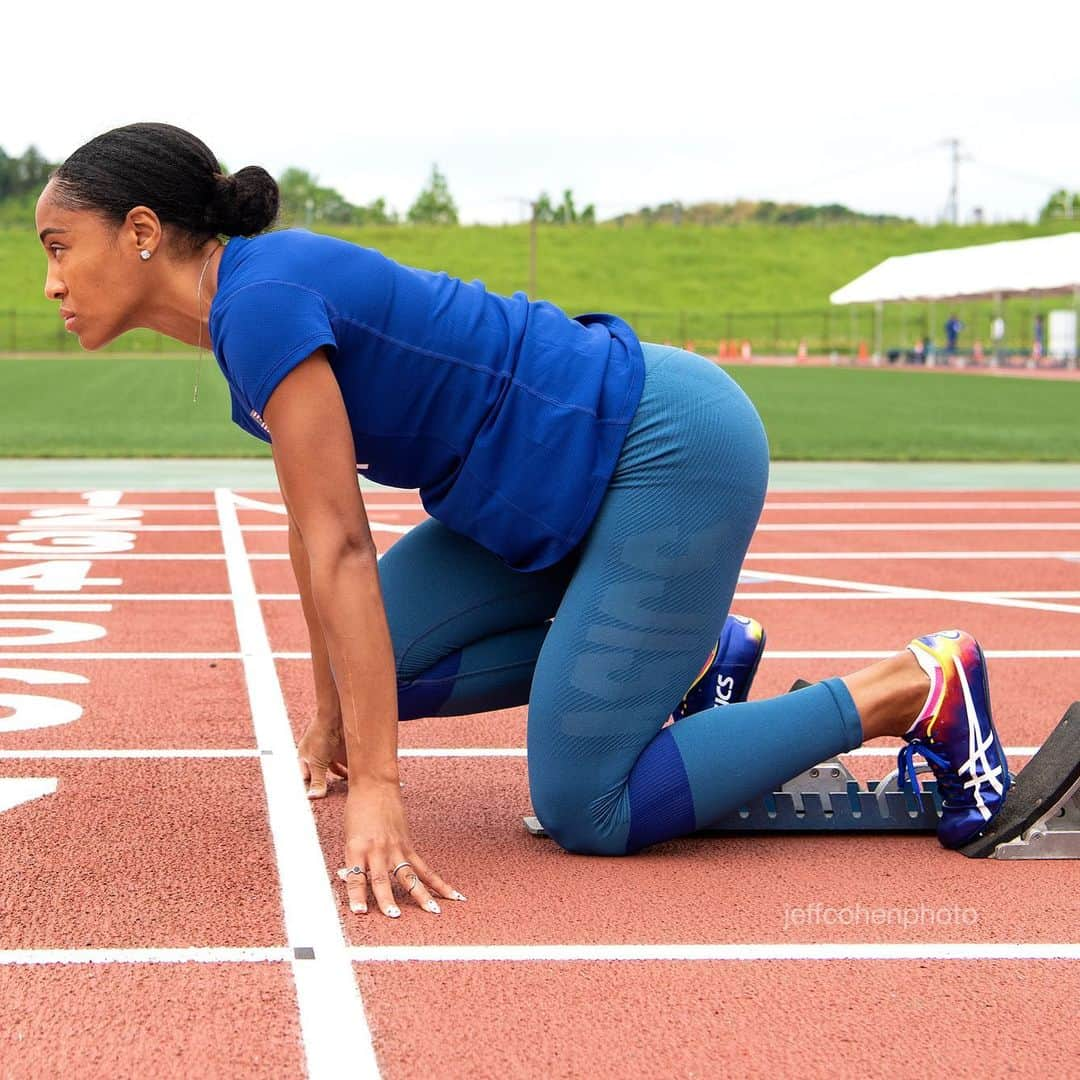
[175,175]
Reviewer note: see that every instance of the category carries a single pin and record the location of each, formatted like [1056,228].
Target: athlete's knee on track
[573,822]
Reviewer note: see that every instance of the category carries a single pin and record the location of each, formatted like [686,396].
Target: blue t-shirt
[507,414]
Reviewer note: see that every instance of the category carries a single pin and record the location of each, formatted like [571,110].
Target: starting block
[1040,819]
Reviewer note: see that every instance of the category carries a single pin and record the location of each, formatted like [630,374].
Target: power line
[1027,178]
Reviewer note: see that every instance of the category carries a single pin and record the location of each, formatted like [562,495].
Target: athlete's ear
[141,230]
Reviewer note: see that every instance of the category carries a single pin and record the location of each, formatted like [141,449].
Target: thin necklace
[198,291]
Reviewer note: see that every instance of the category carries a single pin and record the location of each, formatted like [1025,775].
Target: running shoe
[729,670]
[955,733]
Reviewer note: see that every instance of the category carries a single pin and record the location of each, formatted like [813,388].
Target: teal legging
[602,645]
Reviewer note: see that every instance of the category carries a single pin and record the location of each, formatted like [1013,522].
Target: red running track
[148,886]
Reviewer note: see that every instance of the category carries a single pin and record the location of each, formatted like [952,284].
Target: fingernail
[393,912]
[433,907]
[458,896]
[360,909]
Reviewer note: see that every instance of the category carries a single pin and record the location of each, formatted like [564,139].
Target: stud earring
[144,254]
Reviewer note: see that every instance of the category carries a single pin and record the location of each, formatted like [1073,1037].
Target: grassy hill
[767,282]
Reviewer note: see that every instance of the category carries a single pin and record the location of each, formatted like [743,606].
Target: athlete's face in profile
[93,270]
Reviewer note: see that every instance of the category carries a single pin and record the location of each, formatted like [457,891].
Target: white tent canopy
[1049,264]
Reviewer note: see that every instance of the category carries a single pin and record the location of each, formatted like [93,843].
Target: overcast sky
[626,103]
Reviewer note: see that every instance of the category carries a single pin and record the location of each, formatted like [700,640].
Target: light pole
[532,205]
[532,252]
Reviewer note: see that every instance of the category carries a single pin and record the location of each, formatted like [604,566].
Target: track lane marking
[51,599]
[914,593]
[775,654]
[404,752]
[79,755]
[753,556]
[750,951]
[756,951]
[327,993]
[145,956]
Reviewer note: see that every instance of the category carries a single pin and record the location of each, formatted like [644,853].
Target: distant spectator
[997,338]
[1039,345]
[953,326]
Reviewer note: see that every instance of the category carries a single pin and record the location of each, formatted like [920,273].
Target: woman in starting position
[591,500]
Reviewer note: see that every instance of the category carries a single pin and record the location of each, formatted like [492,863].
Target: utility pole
[952,207]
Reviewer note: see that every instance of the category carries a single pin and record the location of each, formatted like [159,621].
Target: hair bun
[245,203]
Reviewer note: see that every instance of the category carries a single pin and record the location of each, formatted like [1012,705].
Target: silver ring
[399,866]
[415,882]
[357,870]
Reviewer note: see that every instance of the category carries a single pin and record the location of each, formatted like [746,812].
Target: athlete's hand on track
[377,841]
[322,751]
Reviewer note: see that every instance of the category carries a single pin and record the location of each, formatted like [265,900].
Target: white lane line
[46,606]
[923,594]
[127,655]
[770,504]
[879,556]
[461,751]
[47,597]
[919,526]
[326,989]
[245,502]
[929,950]
[128,556]
[79,507]
[519,751]
[771,556]
[98,555]
[774,654]
[881,654]
[90,755]
[940,504]
[405,752]
[902,594]
[14,531]
[549,953]
[145,956]
[15,528]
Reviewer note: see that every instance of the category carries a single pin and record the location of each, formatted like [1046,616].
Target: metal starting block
[1040,819]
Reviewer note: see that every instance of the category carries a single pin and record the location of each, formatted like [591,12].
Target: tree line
[304,201]
[1061,206]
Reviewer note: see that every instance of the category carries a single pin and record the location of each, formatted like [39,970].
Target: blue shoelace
[905,766]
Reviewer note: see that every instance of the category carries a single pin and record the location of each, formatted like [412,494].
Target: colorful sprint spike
[729,670]
[955,733]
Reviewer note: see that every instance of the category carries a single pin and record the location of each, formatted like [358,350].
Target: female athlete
[591,500]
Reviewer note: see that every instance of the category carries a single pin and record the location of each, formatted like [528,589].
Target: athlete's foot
[888,694]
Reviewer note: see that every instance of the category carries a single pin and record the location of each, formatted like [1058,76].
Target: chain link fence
[843,332]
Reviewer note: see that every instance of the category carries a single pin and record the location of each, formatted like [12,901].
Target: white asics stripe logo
[725,685]
[977,751]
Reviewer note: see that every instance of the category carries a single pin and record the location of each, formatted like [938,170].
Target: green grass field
[767,283]
[124,407]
